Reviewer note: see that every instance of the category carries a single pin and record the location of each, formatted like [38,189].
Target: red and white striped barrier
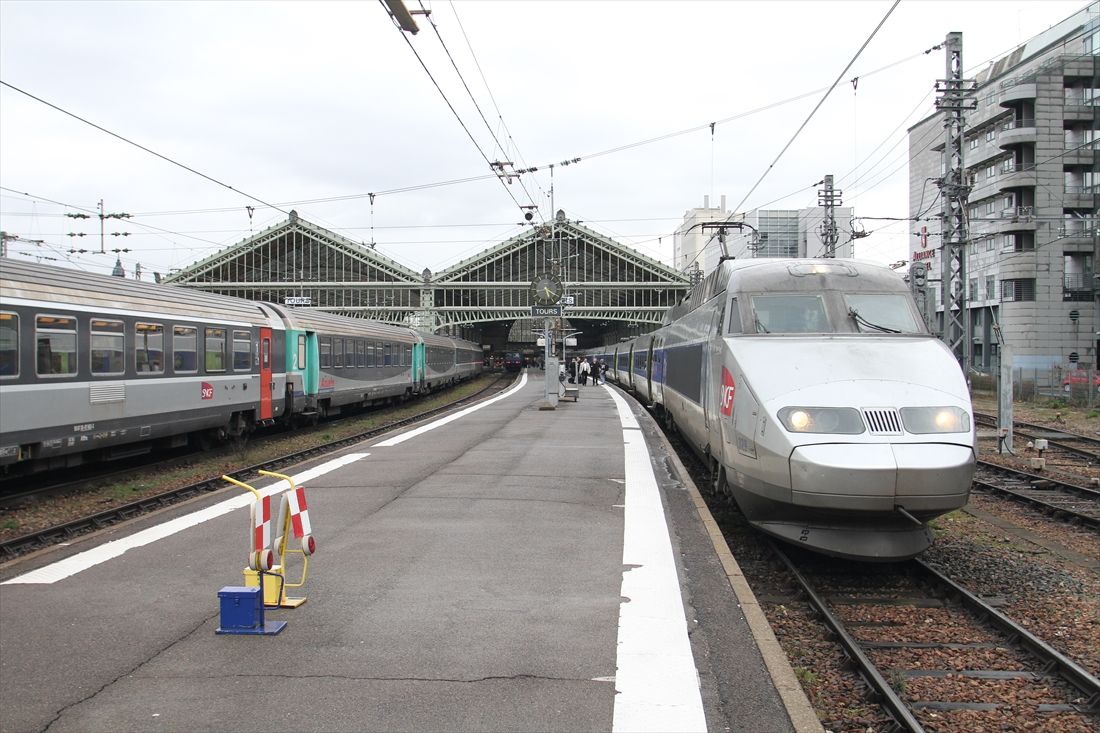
[299,518]
[261,556]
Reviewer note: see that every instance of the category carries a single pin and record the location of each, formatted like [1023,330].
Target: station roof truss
[299,262]
[607,281]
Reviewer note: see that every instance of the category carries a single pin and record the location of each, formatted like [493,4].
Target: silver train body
[818,398]
[95,367]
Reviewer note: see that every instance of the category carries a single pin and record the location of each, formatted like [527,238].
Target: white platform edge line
[656,680]
[90,558]
[397,440]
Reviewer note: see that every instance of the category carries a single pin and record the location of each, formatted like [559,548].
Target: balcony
[1017,132]
[1019,176]
[1080,197]
[1012,91]
[1079,152]
[1016,219]
[1078,280]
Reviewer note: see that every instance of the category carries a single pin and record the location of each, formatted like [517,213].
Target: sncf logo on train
[207,391]
[728,389]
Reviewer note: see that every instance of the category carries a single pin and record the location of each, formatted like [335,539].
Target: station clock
[547,289]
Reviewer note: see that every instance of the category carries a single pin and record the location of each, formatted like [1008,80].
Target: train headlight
[923,420]
[835,420]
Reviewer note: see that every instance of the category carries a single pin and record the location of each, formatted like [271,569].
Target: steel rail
[895,706]
[1085,493]
[1065,667]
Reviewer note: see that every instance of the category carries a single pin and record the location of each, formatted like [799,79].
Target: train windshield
[789,314]
[881,312]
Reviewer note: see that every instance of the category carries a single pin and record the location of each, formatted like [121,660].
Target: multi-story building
[778,233]
[1031,161]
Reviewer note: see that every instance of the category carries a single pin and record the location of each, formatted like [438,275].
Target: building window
[990,134]
[973,142]
[990,287]
[1018,290]
[972,289]
[991,206]
[1008,202]
[990,171]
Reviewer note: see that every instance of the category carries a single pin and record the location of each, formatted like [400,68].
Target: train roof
[64,286]
[311,319]
[789,274]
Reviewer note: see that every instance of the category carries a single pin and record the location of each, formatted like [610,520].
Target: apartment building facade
[1031,159]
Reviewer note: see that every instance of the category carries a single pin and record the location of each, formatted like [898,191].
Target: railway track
[932,651]
[1060,499]
[17,546]
[1073,444]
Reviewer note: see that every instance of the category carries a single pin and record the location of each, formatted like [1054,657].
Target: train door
[266,383]
[649,370]
[712,369]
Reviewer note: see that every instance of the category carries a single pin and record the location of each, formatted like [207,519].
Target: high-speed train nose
[921,477]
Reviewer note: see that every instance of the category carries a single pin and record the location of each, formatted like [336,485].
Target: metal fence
[1077,387]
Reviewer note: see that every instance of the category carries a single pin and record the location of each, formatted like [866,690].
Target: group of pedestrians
[581,369]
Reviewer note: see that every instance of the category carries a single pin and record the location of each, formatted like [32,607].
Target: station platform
[503,568]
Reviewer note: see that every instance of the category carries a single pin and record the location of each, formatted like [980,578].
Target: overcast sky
[292,102]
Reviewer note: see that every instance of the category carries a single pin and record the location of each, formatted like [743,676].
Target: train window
[882,312]
[242,351]
[326,353]
[408,356]
[108,346]
[55,339]
[185,349]
[301,351]
[735,317]
[360,353]
[789,314]
[215,349]
[337,353]
[388,351]
[9,345]
[149,348]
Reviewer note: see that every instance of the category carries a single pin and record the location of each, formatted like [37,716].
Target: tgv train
[95,367]
[815,393]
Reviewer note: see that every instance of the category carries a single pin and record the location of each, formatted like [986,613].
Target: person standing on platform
[584,369]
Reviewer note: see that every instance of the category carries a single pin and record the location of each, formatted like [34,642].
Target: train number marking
[207,391]
[728,390]
[83,427]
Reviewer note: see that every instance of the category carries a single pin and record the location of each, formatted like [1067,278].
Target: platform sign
[297,300]
[567,300]
[543,311]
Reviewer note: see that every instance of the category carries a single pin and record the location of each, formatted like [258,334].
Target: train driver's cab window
[55,343]
[215,349]
[108,342]
[9,345]
[882,313]
[185,349]
[735,317]
[789,314]
[149,348]
[301,351]
[242,351]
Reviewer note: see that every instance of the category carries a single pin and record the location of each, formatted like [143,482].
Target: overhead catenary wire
[138,145]
[454,111]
